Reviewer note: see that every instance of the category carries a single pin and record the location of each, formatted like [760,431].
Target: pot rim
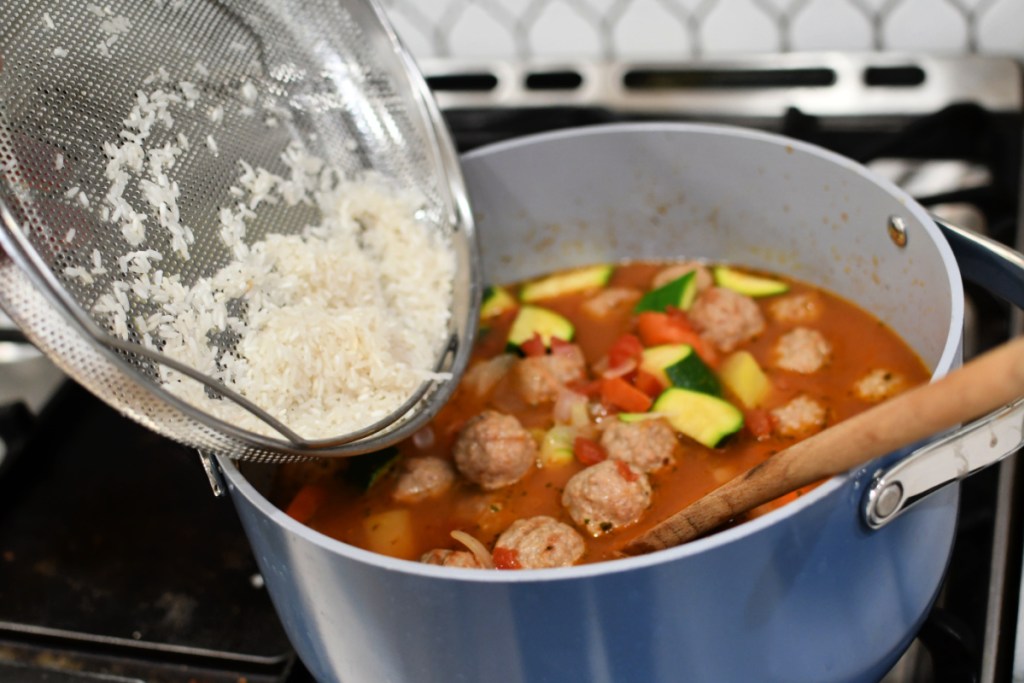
[947,361]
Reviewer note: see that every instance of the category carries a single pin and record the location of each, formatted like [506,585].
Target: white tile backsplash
[681,29]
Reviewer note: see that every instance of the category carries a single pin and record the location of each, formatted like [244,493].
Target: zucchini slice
[592,277]
[679,293]
[496,301]
[704,418]
[536,320]
[742,375]
[366,470]
[691,373]
[556,446]
[637,417]
[745,283]
[677,365]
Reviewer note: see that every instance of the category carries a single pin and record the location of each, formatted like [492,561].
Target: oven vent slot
[554,80]
[894,76]
[468,82]
[704,79]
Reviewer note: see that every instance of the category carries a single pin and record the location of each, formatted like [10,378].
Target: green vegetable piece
[364,471]
[745,283]
[556,446]
[692,373]
[637,417]
[496,301]
[536,320]
[679,293]
[655,360]
[704,418]
[582,279]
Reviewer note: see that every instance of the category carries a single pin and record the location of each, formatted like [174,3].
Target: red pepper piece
[618,393]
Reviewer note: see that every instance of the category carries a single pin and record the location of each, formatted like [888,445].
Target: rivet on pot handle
[984,442]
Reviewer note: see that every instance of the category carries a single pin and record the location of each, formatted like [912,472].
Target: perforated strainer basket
[223,81]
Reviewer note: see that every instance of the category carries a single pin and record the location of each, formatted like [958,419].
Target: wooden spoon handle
[991,380]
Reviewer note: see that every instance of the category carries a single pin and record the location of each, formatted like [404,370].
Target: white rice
[342,322]
[329,330]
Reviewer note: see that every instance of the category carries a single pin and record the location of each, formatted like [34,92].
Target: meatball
[451,558]
[494,450]
[423,478]
[794,309]
[647,445]
[802,350]
[539,379]
[677,270]
[539,543]
[879,384]
[606,496]
[726,318]
[800,417]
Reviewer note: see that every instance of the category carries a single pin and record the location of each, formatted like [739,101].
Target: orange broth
[342,509]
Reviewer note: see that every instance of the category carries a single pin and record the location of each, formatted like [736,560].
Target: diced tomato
[625,471]
[673,328]
[759,422]
[648,383]
[534,346]
[306,503]
[627,347]
[588,451]
[618,393]
[506,558]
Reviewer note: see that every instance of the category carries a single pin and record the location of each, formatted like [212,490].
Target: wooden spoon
[988,382]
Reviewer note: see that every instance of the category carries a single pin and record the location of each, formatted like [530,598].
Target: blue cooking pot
[806,593]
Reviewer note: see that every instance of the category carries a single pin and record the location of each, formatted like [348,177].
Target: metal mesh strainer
[259,75]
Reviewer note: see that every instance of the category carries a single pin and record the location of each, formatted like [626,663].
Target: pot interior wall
[663,191]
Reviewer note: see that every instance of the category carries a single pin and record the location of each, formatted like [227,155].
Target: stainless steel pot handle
[984,442]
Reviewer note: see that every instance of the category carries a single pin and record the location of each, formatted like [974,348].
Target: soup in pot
[600,401]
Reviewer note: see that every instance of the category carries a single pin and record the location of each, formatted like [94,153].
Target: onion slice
[628,366]
[484,376]
[562,411]
[483,556]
